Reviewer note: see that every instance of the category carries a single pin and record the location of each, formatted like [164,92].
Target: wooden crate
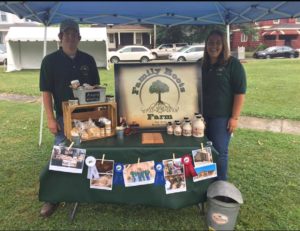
[108,110]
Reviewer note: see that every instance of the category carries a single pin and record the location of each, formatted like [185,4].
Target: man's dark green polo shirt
[58,70]
[220,84]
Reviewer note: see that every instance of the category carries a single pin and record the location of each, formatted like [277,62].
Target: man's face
[70,39]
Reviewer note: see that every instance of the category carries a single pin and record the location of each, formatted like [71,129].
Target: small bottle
[187,128]
[209,143]
[174,124]
[170,129]
[102,129]
[177,129]
[198,126]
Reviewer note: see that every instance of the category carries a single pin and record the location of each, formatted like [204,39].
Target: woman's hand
[232,124]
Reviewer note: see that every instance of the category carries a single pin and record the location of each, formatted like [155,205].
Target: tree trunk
[159,97]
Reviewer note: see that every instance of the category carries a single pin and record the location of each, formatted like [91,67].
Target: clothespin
[102,158]
[173,156]
[70,146]
[138,161]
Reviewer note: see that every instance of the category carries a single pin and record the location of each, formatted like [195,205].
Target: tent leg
[41,123]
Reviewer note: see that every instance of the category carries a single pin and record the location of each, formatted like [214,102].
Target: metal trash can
[224,201]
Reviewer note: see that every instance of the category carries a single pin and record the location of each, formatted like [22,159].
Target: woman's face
[214,47]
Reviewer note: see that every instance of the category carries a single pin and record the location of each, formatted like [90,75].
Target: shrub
[260,47]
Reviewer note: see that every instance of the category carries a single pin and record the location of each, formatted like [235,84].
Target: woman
[224,88]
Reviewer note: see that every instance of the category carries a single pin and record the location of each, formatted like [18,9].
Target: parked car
[131,53]
[188,53]
[276,51]
[164,50]
[3,54]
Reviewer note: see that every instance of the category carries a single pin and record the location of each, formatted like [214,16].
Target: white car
[188,53]
[3,55]
[131,53]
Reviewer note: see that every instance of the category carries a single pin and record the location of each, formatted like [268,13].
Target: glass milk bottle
[198,126]
[194,118]
[170,129]
[177,129]
[187,128]
[184,120]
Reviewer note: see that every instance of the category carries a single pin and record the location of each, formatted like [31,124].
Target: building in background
[8,20]
[270,33]
[122,35]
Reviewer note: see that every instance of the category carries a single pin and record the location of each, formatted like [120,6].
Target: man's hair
[224,55]
[68,23]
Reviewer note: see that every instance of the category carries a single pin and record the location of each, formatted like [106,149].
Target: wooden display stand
[107,110]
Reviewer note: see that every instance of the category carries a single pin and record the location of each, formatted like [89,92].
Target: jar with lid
[194,117]
[177,129]
[184,121]
[187,128]
[198,126]
[170,129]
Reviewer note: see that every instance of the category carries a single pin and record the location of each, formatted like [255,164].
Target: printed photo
[173,167]
[106,172]
[139,173]
[205,172]
[65,160]
[175,183]
[174,176]
[202,156]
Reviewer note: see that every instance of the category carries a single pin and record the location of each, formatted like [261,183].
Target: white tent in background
[25,46]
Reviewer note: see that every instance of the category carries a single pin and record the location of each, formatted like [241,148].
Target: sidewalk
[262,124]
[273,125]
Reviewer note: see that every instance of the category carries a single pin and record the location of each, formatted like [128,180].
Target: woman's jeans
[216,131]
[60,136]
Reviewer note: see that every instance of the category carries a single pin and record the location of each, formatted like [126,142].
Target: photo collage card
[106,173]
[67,160]
[139,173]
[174,176]
[204,166]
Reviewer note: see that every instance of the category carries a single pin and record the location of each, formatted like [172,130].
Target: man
[58,69]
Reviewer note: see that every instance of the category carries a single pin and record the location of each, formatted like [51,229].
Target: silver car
[188,53]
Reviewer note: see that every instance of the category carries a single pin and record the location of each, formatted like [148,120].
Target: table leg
[73,211]
[201,208]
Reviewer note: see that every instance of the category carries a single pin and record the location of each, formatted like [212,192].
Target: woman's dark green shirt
[219,85]
[58,70]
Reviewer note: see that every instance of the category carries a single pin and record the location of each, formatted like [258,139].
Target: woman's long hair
[224,55]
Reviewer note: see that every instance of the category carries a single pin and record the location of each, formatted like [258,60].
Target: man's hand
[232,124]
[53,126]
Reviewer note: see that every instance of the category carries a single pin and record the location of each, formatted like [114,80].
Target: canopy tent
[25,46]
[165,13]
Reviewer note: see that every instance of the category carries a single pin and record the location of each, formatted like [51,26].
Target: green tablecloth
[68,187]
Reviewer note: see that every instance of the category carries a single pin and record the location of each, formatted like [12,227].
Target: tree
[248,29]
[158,87]
[159,106]
[185,33]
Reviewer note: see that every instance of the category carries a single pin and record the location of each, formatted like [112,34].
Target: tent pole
[228,35]
[42,103]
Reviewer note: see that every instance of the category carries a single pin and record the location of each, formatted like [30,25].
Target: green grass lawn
[273,86]
[263,165]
